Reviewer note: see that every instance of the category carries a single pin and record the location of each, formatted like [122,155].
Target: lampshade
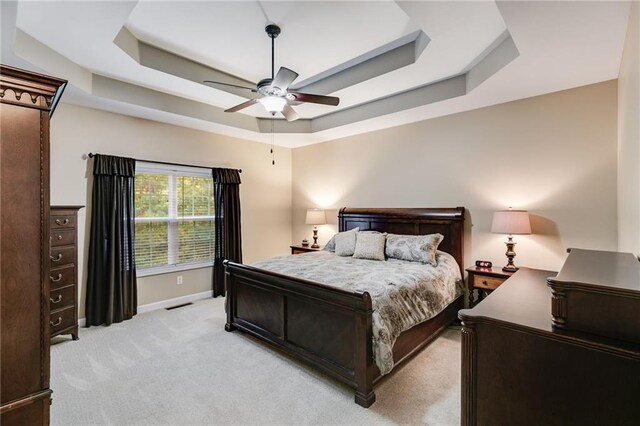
[511,222]
[316,217]
[273,104]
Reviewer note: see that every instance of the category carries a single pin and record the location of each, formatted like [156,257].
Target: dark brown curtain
[228,238]
[111,278]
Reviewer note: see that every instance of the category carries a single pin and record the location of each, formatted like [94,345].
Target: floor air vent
[178,306]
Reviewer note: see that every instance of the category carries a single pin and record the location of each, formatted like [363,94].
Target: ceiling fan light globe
[273,104]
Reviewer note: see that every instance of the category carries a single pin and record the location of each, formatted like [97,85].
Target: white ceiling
[503,50]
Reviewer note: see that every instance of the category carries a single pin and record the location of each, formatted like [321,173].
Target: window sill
[170,269]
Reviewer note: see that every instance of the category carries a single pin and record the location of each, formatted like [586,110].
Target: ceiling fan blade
[234,89]
[315,99]
[230,85]
[242,105]
[284,78]
[289,113]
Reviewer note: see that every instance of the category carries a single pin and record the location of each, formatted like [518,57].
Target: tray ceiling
[390,62]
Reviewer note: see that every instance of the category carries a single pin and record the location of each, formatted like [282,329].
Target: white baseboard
[175,301]
[165,303]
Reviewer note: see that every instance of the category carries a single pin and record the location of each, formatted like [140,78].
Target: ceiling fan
[273,93]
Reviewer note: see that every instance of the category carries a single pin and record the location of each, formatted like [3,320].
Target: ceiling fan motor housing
[265,88]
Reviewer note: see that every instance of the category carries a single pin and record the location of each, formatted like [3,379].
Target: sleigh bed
[331,328]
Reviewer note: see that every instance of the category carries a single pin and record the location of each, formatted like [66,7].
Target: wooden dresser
[518,368]
[26,101]
[63,292]
[598,292]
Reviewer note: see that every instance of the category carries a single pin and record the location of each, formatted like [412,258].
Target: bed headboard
[414,221]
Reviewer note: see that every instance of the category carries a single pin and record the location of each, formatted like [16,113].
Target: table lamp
[315,217]
[511,222]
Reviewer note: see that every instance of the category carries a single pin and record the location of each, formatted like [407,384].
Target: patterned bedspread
[403,293]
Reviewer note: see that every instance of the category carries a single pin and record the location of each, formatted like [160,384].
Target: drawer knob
[62,222]
[57,300]
[59,237]
[56,279]
[56,322]
[58,258]
[484,282]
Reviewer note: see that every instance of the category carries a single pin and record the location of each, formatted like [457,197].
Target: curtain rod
[91,154]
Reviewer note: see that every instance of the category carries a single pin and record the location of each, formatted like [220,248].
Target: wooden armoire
[26,102]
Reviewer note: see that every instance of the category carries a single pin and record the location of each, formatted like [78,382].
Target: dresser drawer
[62,277]
[62,221]
[62,298]
[61,256]
[63,237]
[62,319]
[488,283]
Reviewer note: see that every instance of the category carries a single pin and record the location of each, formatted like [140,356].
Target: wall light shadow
[543,226]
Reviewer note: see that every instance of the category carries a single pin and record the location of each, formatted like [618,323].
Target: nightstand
[303,249]
[485,280]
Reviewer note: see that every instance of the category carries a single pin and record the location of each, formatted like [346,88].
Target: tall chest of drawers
[63,276]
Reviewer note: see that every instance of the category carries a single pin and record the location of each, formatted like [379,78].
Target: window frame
[172,171]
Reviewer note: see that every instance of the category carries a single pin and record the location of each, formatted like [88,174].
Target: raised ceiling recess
[389,62]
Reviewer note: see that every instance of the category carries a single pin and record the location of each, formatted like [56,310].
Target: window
[174,218]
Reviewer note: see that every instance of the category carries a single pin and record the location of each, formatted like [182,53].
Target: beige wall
[265,191]
[629,138]
[554,155]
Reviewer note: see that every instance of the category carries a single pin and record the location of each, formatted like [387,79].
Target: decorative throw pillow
[331,245]
[414,248]
[370,245]
[345,243]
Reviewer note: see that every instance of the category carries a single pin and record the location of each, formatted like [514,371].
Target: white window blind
[174,218]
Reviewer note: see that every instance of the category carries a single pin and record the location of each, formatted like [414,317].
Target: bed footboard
[324,326]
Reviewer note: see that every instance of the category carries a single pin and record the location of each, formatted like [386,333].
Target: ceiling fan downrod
[272,31]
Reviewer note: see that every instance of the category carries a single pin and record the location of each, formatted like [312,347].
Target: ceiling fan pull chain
[273,155]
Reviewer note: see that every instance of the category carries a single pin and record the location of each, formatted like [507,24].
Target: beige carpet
[180,367]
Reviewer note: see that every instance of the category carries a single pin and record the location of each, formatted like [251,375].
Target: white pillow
[345,243]
[370,246]
[331,245]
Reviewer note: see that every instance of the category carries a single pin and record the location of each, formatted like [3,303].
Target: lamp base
[510,267]
[315,238]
